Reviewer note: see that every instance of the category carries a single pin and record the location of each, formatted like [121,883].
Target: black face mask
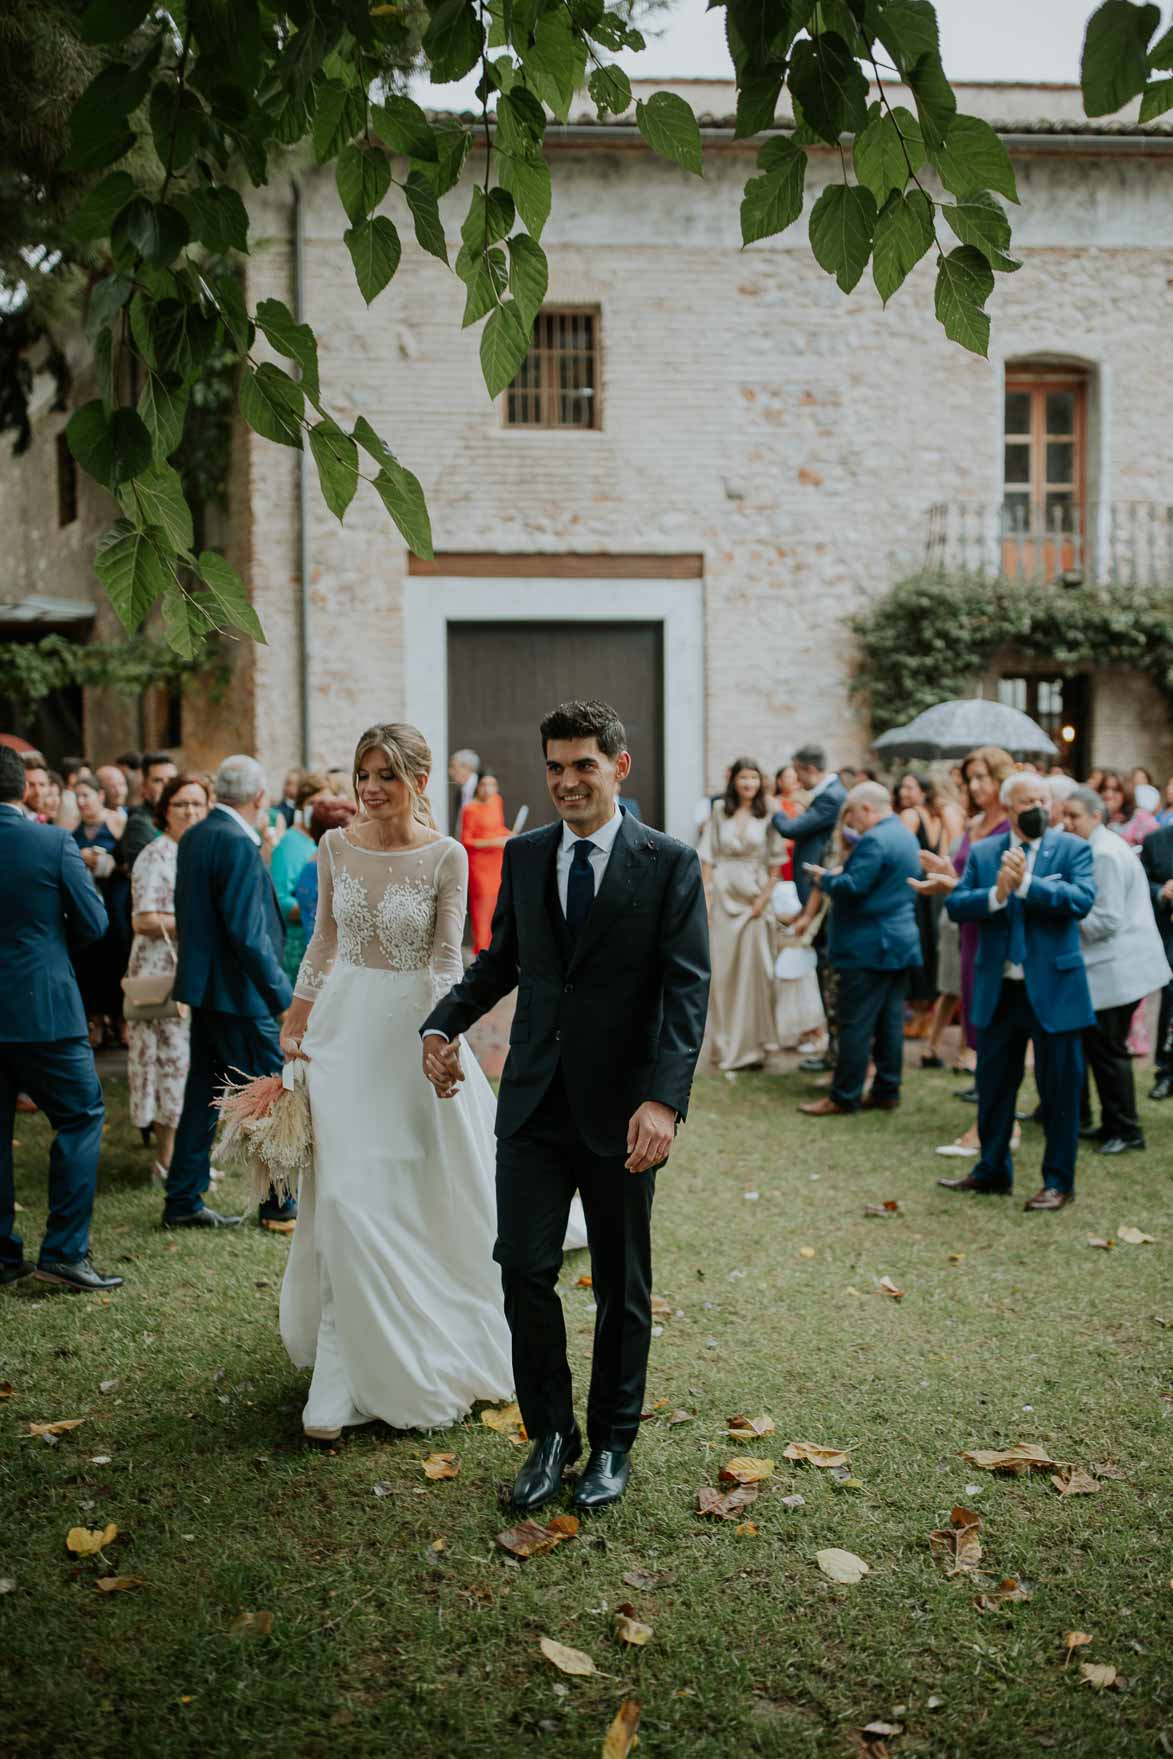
[1032,822]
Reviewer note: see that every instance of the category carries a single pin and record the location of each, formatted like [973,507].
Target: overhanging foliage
[32,670]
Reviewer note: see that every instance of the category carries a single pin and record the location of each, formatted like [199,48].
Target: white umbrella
[953,729]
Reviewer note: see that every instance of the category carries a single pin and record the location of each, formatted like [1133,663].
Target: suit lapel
[1048,850]
[629,862]
[539,880]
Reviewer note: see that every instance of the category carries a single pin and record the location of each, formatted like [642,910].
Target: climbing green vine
[32,670]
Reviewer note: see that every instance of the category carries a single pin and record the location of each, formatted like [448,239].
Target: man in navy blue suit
[1028,890]
[230,936]
[874,944]
[811,834]
[48,903]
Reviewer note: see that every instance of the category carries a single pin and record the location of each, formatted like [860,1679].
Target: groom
[601,927]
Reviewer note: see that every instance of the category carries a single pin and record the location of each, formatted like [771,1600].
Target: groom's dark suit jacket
[623,1008]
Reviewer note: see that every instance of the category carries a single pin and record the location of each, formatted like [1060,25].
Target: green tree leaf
[1156,98]
[1115,62]
[155,497]
[521,123]
[773,202]
[611,90]
[184,624]
[95,213]
[830,85]
[103,109]
[233,311]
[375,251]
[339,114]
[453,145]
[104,363]
[842,226]
[131,567]
[757,104]
[964,283]
[163,407]
[425,212]
[489,218]
[107,299]
[486,279]
[229,595]
[981,220]
[974,158]
[908,30]
[403,498]
[904,232]
[528,182]
[936,105]
[217,217]
[108,21]
[504,345]
[529,276]
[363,176]
[110,448]
[336,457]
[401,125]
[887,152]
[453,41]
[670,129]
[272,404]
[155,231]
[295,341]
[177,118]
[555,62]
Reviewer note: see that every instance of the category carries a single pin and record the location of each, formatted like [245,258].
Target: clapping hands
[940,878]
[1010,873]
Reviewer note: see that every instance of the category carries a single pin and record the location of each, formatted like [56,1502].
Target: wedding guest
[113,785]
[71,769]
[158,769]
[53,796]
[1156,860]
[101,962]
[1140,777]
[463,769]
[286,808]
[292,855]
[1125,961]
[873,946]
[131,765]
[810,835]
[1165,816]
[738,849]
[36,786]
[911,800]
[1125,817]
[48,905]
[331,812]
[787,801]
[159,1050]
[484,833]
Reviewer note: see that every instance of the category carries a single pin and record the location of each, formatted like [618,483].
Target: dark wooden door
[503,677]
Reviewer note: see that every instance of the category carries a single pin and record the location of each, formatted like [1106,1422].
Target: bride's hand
[293,1025]
[442,1065]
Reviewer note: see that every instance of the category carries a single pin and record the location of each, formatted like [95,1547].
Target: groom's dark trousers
[604,1020]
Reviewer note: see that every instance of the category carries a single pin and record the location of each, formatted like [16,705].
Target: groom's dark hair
[586,720]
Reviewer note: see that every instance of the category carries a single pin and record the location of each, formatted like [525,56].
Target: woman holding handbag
[159,1033]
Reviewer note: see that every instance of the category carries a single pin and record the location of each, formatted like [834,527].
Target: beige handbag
[148,996]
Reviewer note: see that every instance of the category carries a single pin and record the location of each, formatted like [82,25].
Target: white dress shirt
[603,840]
[1015,972]
[248,829]
[468,788]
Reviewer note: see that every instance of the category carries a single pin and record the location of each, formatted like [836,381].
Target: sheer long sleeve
[447,961]
[322,950]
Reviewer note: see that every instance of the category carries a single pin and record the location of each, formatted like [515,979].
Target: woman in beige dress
[740,854]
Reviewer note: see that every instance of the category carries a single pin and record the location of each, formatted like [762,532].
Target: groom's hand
[650,1135]
[442,1065]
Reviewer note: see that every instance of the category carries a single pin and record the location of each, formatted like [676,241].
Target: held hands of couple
[1011,873]
[650,1136]
[442,1065]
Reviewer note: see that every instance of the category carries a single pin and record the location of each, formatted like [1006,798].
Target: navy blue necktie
[1017,949]
[580,886]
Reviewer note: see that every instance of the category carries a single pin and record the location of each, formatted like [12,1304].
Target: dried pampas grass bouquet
[265,1128]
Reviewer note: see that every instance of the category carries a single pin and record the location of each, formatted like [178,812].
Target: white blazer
[1122,945]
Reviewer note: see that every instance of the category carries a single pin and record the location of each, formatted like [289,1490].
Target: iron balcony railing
[1110,543]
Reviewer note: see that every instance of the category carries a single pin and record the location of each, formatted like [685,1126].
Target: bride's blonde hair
[409,757]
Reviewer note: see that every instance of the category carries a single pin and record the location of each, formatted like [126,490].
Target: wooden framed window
[1044,500]
[66,483]
[557,385]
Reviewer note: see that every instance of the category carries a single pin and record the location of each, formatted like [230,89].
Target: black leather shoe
[1091,1133]
[203,1218]
[969,1183]
[12,1273]
[604,1478]
[1121,1145]
[1163,1088]
[80,1275]
[968,1094]
[541,1476]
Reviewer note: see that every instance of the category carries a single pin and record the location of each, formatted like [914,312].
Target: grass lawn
[385,1642]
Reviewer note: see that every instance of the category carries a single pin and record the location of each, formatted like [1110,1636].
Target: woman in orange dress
[484,835]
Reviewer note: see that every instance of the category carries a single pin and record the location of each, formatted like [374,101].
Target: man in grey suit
[1125,961]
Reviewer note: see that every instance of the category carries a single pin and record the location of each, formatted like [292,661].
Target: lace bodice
[401,910]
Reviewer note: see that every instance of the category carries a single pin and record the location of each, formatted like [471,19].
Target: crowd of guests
[848,916]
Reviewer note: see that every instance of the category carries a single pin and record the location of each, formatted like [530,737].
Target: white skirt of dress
[391,1293]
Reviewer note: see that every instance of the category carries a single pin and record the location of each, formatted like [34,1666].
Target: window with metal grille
[66,483]
[558,383]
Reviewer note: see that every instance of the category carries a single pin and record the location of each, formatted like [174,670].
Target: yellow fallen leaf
[439,1545]
[661,1309]
[1096,1675]
[530,1539]
[957,1258]
[958,1544]
[888,1287]
[807,1252]
[504,1420]
[119,1584]
[584,1282]
[441,1466]
[750,1428]
[746,1530]
[1070,1481]
[87,1541]
[812,1454]
[7,1389]
[630,1629]
[744,1470]
[725,1508]
[1104,1245]
[842,1566]
[251,1624]
[621,1737]
[60,1428]
[566,1660]
[1020,1458]
[1075,1640]
[1130,1236]
[1009,1591]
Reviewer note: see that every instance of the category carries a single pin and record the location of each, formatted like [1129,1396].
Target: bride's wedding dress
[391,1294]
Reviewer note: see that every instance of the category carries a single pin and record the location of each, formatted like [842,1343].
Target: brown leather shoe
[1049,1199]
[825,1108]
[969,1183]
[870,1103]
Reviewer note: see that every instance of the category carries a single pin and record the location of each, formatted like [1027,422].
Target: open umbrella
[952,729]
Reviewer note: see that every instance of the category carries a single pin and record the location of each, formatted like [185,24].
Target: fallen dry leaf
[812,1454]
[794,1502]
[571,1661]
[7,1390]
[749,1428]
[1070,1481]
[958,1544]
[441,1466]
[891,1207]
[842,1566]
[725,1508]
[1129,1236]
[61,1428]
[119,1584]
[661,1308]
[505,1420]
[888,1287]
[744,1470]
[621,1736]
[746,1530]
[439,1545]
[957,1258]
[1075,1640]
[251,1624]
[646,1580]
[629,1628]
[1009,1592]
[7,1585]
[881,1731]
[1104,1245]
[87,1541]
[109,1386]
[1099,1677]
[584,1282]
[531,1539]
[679,1417]
[807,1252]
[1022,1457]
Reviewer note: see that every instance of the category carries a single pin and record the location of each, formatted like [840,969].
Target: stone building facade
[767,459]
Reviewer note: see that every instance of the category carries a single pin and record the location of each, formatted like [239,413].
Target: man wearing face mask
[1028,891]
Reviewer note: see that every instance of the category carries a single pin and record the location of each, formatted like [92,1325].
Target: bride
[391,1294]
